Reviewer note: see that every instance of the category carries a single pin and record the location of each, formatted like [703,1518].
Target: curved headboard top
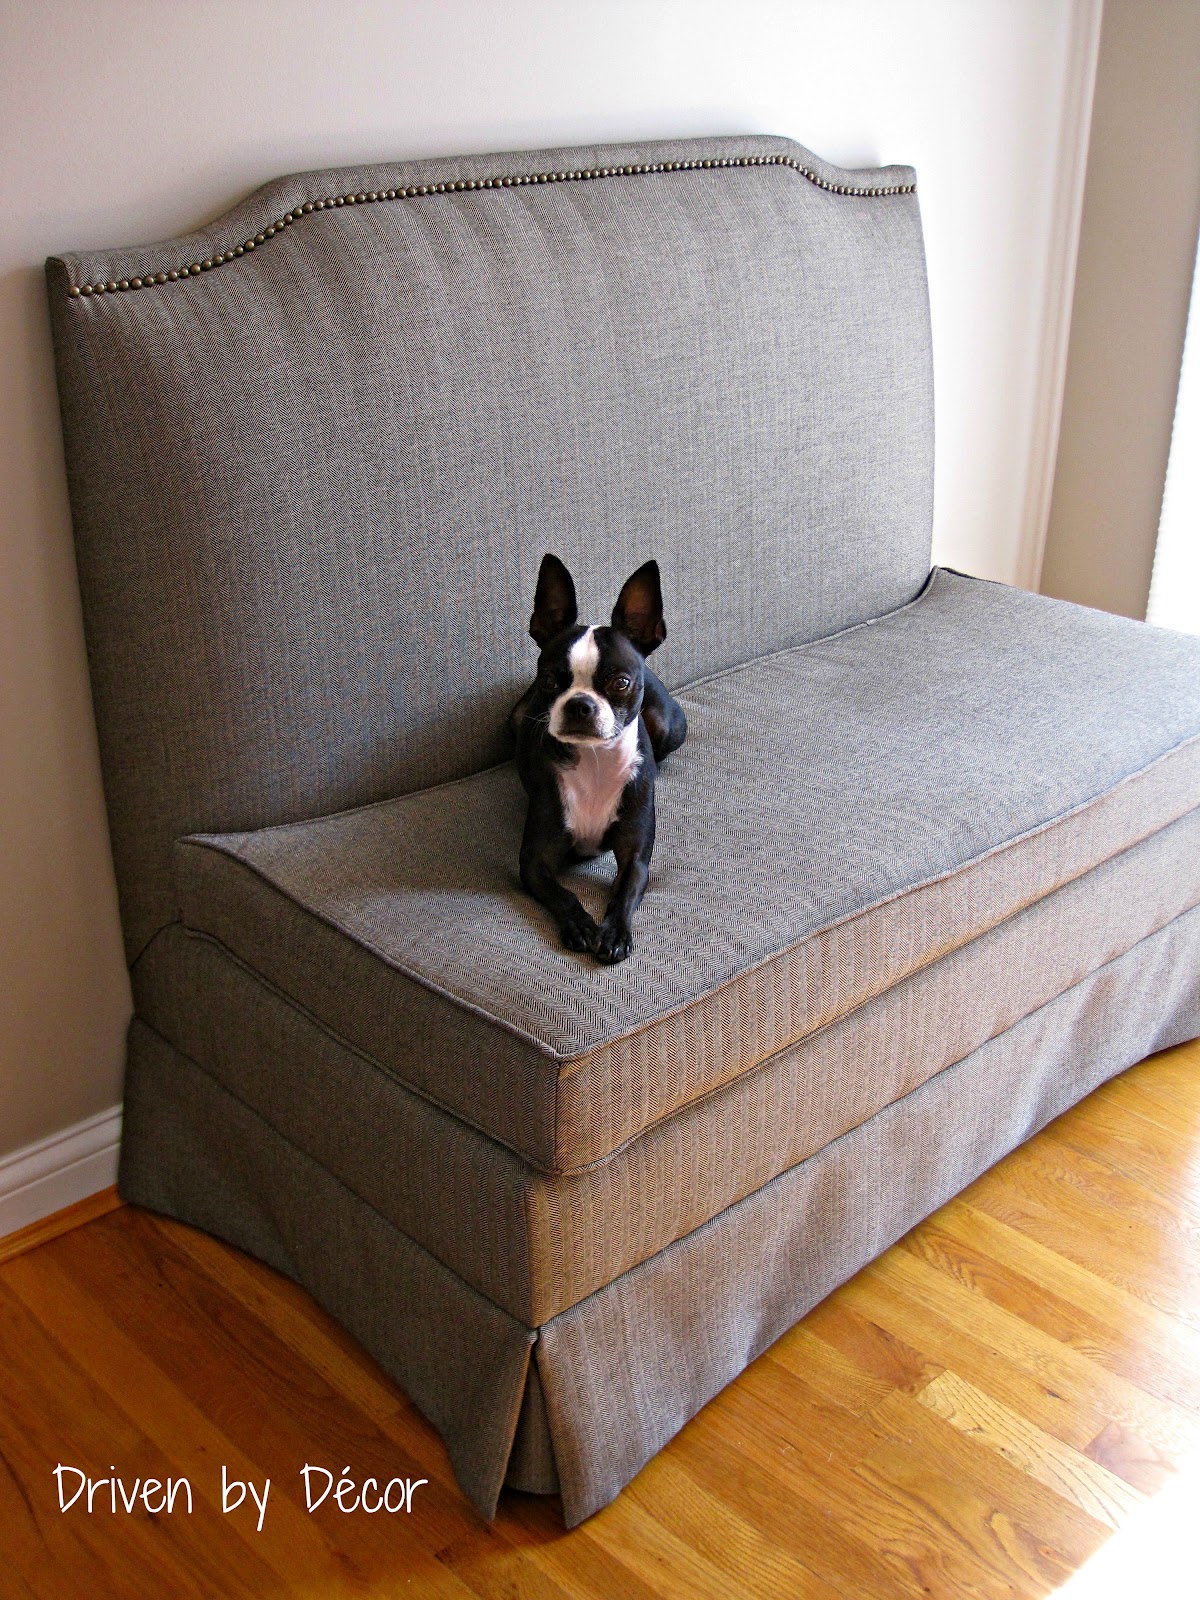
[317,449]
[274,206]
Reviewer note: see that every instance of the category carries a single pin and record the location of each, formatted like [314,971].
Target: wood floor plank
[224,1336]
[1164,1272]
[501,1571]
[500,1559]
[1016,1562]
[824,1449]
[205,1401]
[1065,1392]
[58,1410]
[1060,1160]
[929,1451]
[656,1553]
[590,1570]
[1114,1135]
[1165,1106]
[1141,1464]
[888,1298]
[850,1359]
[750,1562]
[1040,1455]
[971,1416]
[290,1313]
[490,1559]
[778,1504]
[1074,1305]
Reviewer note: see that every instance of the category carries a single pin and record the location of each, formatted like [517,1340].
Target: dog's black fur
[590,733]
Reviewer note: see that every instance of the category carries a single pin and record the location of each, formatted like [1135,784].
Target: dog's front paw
[613,944]
[579,930]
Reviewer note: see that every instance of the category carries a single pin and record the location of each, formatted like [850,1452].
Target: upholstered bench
[928,866]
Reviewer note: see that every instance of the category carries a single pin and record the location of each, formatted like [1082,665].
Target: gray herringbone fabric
[536,1244]
[193,1151]
[624,1369]
[927,866]
[842,814]
[312,484]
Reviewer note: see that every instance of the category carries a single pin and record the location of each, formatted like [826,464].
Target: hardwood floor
[972,1415]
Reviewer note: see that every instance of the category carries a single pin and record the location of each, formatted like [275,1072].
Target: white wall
[124,121]
[1175,582]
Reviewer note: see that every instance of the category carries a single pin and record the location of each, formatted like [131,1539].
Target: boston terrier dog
[590,733]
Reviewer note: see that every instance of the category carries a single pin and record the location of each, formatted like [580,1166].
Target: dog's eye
[620,684]
[549,679]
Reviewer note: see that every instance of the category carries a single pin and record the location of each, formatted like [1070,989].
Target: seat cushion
[843,814]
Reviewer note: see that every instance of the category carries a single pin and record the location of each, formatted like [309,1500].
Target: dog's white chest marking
[592,787]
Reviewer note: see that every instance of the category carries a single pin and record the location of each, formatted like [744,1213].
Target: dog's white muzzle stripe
[583,658]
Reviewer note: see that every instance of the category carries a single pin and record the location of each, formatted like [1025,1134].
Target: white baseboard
[56,1172]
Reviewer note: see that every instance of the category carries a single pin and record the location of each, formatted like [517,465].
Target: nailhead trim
[194,268]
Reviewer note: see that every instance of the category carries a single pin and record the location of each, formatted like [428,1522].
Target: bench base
[579,1404]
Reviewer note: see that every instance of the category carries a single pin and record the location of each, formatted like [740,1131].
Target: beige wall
[1138,238]
[124,120]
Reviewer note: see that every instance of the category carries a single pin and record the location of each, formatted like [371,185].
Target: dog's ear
[554,603]
[638,613]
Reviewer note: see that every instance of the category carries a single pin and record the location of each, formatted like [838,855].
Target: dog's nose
[579,706]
